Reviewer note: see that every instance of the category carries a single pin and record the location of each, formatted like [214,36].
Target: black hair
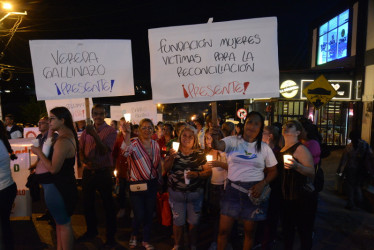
[98,106]
[227,128]
[355,136]
[4,137]
[200,120]
[10,116]
[310,129]
[259,136]
[64,113]
[171,128]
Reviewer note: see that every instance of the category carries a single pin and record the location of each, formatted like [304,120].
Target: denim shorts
[186,204]
[237,204]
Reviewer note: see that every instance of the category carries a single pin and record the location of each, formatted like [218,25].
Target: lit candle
[115,173]
[209,157]
[127,117]
[175,146]
[287,158]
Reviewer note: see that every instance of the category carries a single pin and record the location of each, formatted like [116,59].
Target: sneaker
[147,246]
[132,242]
[121,213]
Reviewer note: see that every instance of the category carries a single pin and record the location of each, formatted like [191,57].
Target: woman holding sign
[186,171]
[58,181]
[144,161]
[297,188]
[247,187]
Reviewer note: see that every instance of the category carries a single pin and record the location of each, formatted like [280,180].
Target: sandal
[132,242]
[147,246]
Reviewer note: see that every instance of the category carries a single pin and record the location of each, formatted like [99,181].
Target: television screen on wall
[333,39]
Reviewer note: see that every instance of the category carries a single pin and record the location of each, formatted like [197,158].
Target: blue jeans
[143,204]
[186,204]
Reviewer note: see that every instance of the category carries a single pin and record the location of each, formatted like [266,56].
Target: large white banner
[140,110]
[77,107]
[82,68]
[215,61]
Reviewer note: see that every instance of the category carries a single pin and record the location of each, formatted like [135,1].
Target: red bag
[163,209]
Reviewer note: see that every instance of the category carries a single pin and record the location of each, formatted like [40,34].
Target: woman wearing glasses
[58,179]
[143,156]
[296,184]
[247,157]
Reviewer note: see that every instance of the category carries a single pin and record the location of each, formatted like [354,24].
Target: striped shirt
[87,144]
[142,167]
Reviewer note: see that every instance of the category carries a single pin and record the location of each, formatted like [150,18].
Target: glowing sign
[289,89]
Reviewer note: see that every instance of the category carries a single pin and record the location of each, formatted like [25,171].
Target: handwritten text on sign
[140,110]
[215,61]
[82,68]
[77,107]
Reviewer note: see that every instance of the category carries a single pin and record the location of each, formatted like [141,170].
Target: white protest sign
[215,61]
[82,68]
[77,107]
[116,112]
[20,172]
[140,110]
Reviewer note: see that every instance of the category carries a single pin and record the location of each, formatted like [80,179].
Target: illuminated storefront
[334,120]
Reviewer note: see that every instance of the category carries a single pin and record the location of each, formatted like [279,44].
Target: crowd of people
[259,175]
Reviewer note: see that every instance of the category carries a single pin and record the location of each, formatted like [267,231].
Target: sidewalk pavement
[335,227]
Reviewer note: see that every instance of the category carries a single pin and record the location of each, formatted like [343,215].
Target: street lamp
[7,7]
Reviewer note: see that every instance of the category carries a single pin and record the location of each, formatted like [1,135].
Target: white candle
[175,146]
[127,117]
[186,179]
[287,158]
[209,157]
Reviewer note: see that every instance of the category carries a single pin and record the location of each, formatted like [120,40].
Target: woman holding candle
[186,171]
[247,157]
[297,205]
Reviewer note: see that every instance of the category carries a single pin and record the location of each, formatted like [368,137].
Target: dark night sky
[131,20]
